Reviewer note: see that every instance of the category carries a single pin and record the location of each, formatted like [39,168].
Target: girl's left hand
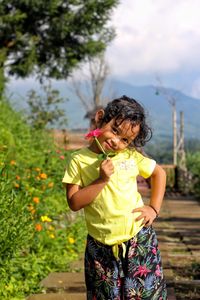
[147,214]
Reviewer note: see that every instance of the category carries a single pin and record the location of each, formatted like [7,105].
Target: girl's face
[115,138]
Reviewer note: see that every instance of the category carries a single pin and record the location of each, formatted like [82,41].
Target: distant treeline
[162,150]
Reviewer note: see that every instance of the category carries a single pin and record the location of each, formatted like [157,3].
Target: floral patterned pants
[137,276]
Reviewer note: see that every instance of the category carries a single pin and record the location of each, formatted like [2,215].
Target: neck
[94,148]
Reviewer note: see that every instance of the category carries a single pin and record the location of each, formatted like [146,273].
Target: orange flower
[36,200]
[38,227]
[43,187]
[30,207]
[43,176]
[37,169]
[50,184]
[16,185]
[17,177]
[13,162]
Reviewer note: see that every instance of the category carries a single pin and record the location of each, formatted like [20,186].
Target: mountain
[155,101]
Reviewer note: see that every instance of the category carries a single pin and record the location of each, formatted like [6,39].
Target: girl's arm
[78,197]
[158,183]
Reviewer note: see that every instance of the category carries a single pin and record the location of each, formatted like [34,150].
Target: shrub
[37,235]
[193,166]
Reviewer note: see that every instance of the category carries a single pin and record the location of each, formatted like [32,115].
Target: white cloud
[155,36]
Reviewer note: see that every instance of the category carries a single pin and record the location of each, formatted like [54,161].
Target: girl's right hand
[106,169]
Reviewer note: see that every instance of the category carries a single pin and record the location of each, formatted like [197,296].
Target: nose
[115,142]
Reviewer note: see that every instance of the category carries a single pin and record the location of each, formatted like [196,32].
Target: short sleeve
[73,171]
[145,164]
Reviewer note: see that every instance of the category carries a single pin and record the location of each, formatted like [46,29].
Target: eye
[125,141]
[114,130]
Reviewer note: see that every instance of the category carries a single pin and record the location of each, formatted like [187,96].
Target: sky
[157,42]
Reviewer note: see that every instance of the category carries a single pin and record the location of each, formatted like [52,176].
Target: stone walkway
[178,230]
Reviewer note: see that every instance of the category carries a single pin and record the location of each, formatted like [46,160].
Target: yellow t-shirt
[109,216]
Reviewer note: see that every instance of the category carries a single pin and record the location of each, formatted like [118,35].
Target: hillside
[160,111]
[156,104]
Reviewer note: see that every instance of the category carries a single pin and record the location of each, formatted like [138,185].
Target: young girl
[122,260]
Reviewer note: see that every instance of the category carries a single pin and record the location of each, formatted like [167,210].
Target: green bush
[193,166]
[37,234]
[16,228]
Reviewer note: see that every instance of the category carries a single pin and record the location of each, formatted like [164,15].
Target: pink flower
[142,271]
[62,157]
[157,272]
[154,251]
[94,133]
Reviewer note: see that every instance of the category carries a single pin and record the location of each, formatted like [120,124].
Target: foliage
[44,108]
[49,38]
[192,145]
[193,165]
[37,234]
[188,180]
[17,231]
[163,153]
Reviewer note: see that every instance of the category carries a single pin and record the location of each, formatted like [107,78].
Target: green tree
[48,38]
[45,107]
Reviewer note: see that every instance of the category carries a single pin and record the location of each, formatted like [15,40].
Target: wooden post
[174,133]
[181,152]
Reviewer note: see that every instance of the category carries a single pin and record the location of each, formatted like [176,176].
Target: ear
[99,116]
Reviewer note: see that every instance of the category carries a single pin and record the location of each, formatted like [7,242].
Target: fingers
[106,169]
[107,164]
[145,214]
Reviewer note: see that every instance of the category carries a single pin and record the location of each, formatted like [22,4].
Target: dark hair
[125,108]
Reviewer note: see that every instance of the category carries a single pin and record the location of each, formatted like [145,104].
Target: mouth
[108,147]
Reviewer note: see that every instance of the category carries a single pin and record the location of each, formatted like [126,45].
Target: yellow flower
[37,169]
[52,236]
[43,176]
[71,240]
[13,162]
[46,219]
[51,228]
